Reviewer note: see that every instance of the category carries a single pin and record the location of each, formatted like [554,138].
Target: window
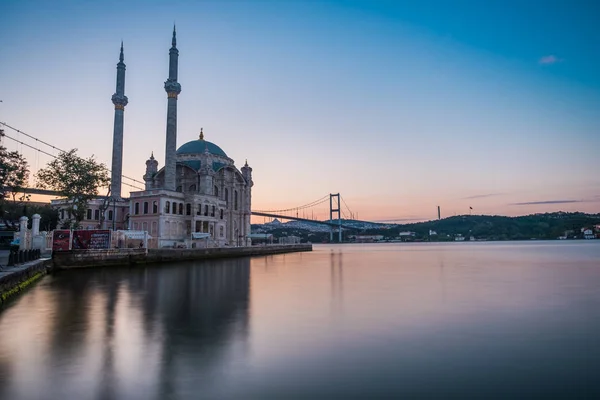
[136,209]
[89,214]
[221,213]
[199,212]
[96,215]
[153,231]
[110,215]
[216,191]
[221,229]
[62,214]
[188,209]
[206,209]
[180,208]
[145,207]
[154,207]
[212,214]
[167,206]
[227,197]
[192,188]
[174,208]
[235,200]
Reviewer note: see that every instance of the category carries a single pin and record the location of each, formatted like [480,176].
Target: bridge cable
[60,150]
[53,156]
[308,205]
[344,201]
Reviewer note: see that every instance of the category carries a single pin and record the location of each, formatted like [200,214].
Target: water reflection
[337,281]
[130,333]
[481,320]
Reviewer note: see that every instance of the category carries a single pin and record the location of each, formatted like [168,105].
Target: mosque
[198,193]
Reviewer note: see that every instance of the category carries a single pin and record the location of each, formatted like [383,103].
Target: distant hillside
[484,227]
[495,227]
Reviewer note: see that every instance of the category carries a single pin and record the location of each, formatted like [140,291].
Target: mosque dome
[199,146]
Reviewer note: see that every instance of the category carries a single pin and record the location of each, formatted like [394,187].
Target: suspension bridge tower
[334,207]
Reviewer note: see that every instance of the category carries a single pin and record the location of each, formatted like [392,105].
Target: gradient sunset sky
[400,106]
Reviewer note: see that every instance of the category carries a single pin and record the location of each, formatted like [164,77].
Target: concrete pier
[14,280]
[131,257]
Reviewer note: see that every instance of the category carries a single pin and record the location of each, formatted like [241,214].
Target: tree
[75,178]
[14,175]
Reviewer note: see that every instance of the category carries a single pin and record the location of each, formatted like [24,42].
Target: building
[198,190]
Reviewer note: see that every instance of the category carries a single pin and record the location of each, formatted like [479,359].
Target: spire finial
[245,165]
[121,58]
[152,155]
[201,134]
[174,41]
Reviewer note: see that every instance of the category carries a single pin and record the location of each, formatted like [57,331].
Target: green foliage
[76,179]
[14,175]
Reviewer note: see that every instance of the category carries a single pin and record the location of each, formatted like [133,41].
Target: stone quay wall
[130,257]
[16,279]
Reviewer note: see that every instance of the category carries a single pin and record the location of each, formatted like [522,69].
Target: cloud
[530,203]
[481,196]
[550,59]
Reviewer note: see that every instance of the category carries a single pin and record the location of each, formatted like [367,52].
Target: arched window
[221,213]
[136,208]
[206,209]
[180,208]
[96,215]
[62,214]
[89,213]
[174,208]
[188,209]
[110,215]
[167,207]
[216,191]
[145,207]
[192,188]
[199,212]
[235,200]
[154,207]
[227,197]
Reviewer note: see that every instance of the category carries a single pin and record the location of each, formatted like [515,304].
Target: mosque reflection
[157,319]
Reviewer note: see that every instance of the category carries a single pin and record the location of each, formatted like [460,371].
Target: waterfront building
[199,193]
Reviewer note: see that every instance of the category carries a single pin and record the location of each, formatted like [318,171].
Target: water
[464,320]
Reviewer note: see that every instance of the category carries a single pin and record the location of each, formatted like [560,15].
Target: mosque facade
[199,193]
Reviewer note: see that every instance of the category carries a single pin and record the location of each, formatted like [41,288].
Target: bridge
[336,212]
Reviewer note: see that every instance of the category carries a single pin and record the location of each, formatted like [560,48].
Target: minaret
[120,101]
[173,88]
[151,170]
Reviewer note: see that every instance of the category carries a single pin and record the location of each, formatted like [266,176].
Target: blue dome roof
[198,147]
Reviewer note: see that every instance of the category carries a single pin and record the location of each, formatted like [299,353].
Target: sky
[399,106]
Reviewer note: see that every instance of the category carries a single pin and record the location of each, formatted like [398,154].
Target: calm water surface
[480,320]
